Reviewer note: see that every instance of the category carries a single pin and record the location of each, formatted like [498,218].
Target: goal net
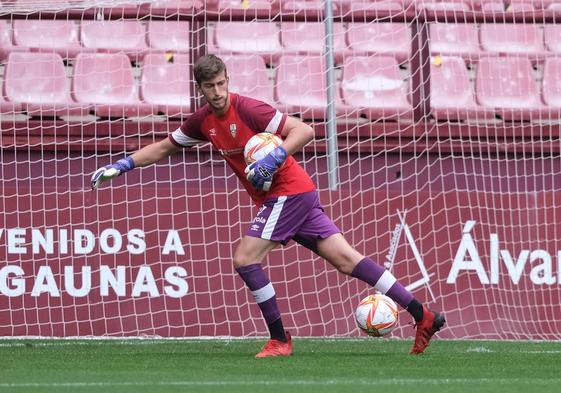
[436,153]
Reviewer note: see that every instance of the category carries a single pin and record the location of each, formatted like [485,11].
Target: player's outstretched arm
[145,156]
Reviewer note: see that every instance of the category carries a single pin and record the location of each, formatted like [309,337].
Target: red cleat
[431,323]
[276,348]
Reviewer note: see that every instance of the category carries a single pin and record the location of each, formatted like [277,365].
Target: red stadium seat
[448,5]
[301,86]
[380,39]
[7,107]
[6,43]
[452,95]
[511,39]
[308,38]
[260,7]
[38,81]
[457,39]
[552,37]
[166,84]
[175,7]
[368,7]
[507,85]
[374,85]
[291,7]
[170,36]
[519,6]
[106,81]
[249,77]
[126,36]
[551,88]
[60,36]
[261,38]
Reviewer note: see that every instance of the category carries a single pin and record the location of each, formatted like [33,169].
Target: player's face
[215,91]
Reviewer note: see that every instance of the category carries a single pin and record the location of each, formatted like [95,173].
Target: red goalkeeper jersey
[229,134]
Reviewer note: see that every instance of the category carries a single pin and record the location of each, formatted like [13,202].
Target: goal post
[447,123]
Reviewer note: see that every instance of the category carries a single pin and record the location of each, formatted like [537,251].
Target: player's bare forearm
[154,153]
[296,134]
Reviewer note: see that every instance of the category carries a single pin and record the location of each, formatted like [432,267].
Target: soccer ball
[376,315]
[259,145]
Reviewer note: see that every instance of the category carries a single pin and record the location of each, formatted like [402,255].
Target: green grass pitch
[318,365]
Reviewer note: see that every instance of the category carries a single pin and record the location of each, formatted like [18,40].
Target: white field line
[329,382]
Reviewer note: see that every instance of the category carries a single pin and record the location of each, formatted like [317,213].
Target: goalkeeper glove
[110,171]
[260,173]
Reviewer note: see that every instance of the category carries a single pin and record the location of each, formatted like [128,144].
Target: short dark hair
[208,67]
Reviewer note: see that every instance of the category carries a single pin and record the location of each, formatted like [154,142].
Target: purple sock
[262,289]
[382,280]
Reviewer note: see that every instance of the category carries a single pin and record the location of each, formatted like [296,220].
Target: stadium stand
[308,38]
[455,39]
[249,76]
[262,38]
[101,37]
[165,83]
[551,88]
[380,39]
[552,38]
[6,41]
[507,85]
[452,93]
[300,87]
[60,36]
[172,36]
[106,81]
[514,40]
[38,81]
[373,85]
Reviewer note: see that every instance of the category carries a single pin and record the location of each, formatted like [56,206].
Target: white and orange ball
[259,145]
[376,315]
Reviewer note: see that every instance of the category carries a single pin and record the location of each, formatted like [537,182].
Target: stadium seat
[455,39]
[301,87]
[306,7]
[519,6]
[60,36]
[262,38]
[371,8]
[507,85]
[380,39]
[166,83]
[38,81]
[511,39]
[175,7]
[260,7]
[6,42]
[308,38]
[169,36]
[374,86]
[552,37]
[452,95]
[106,81]
[551,87]
[248,76]
[126,36]
[445,6]
[7,107]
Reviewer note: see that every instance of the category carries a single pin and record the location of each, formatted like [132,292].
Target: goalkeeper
[289,207]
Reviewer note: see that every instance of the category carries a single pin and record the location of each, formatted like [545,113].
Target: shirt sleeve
[189,133]
[260,116]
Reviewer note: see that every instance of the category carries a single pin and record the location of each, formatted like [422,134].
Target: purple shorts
[300,217]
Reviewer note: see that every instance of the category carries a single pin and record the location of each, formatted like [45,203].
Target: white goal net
[442,119]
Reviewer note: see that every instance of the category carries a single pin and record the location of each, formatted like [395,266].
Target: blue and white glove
[110,171]
[260,173]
